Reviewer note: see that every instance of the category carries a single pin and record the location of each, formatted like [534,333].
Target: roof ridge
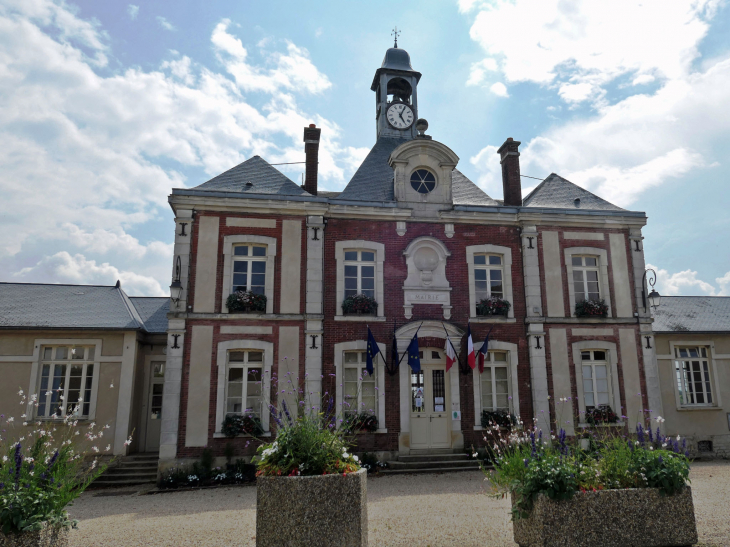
[55,284]
[131,309]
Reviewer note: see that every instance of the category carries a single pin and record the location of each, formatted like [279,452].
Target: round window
[423,181]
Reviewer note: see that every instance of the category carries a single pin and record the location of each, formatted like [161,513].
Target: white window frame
[593,363]
[359,264]
[603,286]
[359,367]
[714,379]
[506,254]
[512,361]
[46,394]
[36,372]
[229,242]
[246,366]
[584,273]
[359,245]
[612,359]
[379,369]
[222,371]
[250,259]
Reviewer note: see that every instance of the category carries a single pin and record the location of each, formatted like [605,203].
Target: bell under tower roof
[396,61]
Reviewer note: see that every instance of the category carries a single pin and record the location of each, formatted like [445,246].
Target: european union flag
[414,360]
[373,351]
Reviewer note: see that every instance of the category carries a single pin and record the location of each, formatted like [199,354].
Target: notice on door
[438,404]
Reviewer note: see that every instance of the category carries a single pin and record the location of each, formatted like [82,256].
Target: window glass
[596,384]
[495,382]
[694,383]
[423,181]
[585,278]
[488,276]
[66,379]
[359,273]
[249,269]
[244,392]
[359,394]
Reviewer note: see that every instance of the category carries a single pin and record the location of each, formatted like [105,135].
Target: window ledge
[590,426]
[492,319]
[697,407]
[360,318]
[219,435]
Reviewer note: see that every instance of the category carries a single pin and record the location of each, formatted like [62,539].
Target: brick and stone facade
[423,246]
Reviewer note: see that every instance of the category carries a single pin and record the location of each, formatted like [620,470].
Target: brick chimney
[311,151]
[510,160]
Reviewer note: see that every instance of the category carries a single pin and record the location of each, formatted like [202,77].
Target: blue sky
[104,106]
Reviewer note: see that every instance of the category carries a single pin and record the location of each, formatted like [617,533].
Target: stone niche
[426,282]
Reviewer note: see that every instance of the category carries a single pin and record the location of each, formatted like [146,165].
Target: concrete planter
[46,537]
[319,510]
[636,516]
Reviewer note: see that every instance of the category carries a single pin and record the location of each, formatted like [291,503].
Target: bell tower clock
[396,100]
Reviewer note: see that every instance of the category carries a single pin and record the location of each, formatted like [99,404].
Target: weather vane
[395,35]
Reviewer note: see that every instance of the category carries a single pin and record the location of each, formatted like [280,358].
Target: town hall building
[275,285]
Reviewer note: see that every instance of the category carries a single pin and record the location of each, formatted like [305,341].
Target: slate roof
[37,305]
[262,176]
[692,314]
[373,180]
[465,192]
[555,192]
[153,312]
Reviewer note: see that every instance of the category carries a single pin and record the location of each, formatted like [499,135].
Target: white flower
[108,448]
[93,464]
[20,392]
[5,458]
[474,455]
[31,473]
[28,459]
[356,458]
[659,419]
[95,449]
[25,423]
[111,386]
[345,455]
[11,419]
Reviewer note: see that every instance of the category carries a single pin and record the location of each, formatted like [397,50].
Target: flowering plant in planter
[363,421]
[360,303]
[527,465]
[307,444]
[246,301]
[44,467]
[602,414]
[493,306]
[591,308]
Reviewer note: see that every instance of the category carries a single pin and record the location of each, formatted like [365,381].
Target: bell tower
[396,99]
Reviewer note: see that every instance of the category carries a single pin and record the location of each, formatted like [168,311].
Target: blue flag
[373,351]
[414,360]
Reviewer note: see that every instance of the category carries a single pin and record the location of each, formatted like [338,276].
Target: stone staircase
[132,469]
[433,461]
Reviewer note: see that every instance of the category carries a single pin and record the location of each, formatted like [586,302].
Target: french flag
[450,354]
[470,356]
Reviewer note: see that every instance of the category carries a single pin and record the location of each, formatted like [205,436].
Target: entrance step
[432,463]
[132,469]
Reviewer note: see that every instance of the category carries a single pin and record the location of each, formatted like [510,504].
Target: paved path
[413,510]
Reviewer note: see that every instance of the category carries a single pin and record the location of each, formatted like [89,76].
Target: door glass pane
[439,390]
[87,388]
[418,402]
[156,403]
[158,370]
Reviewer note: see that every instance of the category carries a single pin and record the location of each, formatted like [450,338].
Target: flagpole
[452,344]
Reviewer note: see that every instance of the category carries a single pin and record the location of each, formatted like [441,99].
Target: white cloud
[622,149]
[590,42]
[133,11]
[499,89]
[683,283]
[480,69]
[64,268]
[89,159]
[724,283]
[164,23]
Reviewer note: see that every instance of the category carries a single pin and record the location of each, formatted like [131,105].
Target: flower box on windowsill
[633,516]
[359,304]
[493,307]
[591,309]
[246,302]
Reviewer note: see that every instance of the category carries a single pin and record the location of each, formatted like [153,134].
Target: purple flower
[18,464]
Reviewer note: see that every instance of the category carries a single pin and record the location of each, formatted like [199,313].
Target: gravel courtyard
[413,510]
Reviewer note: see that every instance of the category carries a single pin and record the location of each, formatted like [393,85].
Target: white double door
[430,403]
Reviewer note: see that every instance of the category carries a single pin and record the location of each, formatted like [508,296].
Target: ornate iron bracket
[537,339]
[314,341]
[648,342]
[316,231]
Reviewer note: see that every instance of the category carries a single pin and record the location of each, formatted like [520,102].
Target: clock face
[400,115]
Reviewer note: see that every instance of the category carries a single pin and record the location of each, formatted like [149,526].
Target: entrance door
[430,424]
[154,406]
